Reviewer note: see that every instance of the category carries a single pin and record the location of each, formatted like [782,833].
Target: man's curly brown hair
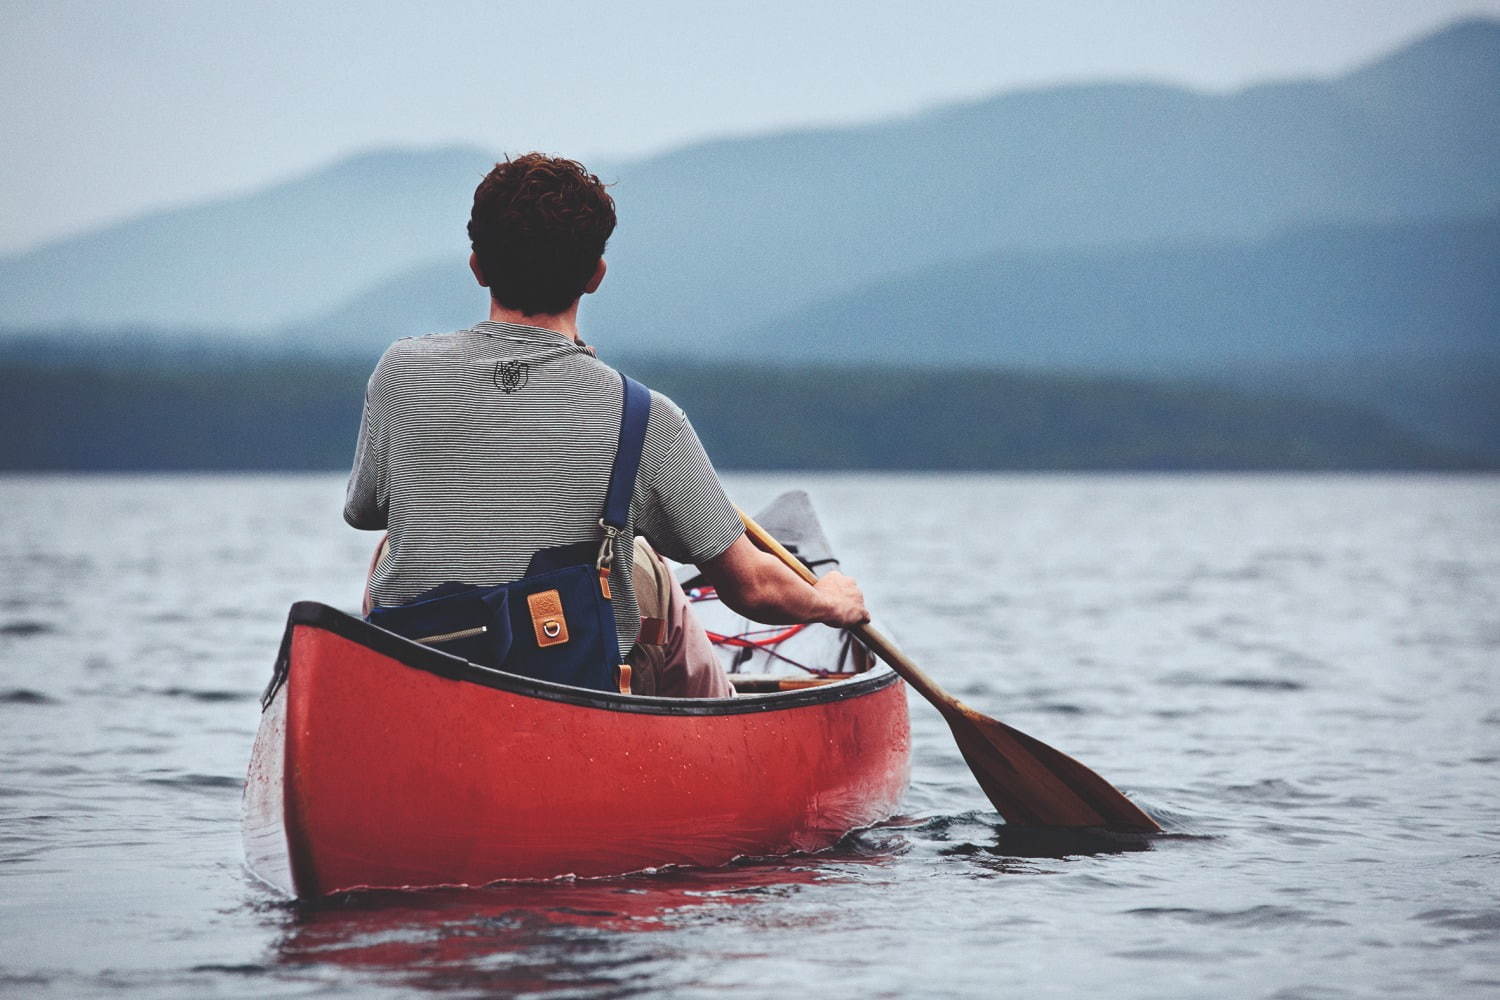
[538,229]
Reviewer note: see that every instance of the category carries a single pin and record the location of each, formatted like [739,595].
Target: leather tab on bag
[547,619]
[653,631]
[622,678]
[604,583]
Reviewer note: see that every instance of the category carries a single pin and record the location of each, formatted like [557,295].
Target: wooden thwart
[763,685]
[1029,783]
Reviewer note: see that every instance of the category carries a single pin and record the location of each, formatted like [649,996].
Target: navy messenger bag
[557,622]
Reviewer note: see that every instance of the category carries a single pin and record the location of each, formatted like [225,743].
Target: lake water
[1299,676]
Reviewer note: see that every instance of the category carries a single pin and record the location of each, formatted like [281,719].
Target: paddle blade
[1031,784]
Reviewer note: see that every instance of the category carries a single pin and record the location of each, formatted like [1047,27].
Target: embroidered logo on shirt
[511,375]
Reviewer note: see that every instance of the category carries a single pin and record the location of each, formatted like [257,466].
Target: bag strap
[635,413]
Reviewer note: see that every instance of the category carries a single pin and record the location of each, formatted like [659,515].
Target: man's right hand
[846,603]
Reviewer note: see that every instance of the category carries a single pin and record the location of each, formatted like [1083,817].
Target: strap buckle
[607,547]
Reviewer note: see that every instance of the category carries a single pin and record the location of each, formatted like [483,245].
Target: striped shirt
[479,448]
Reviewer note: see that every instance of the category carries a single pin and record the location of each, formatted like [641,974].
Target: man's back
[481,447]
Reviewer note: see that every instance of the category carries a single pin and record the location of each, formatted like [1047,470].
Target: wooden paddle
[1029,783]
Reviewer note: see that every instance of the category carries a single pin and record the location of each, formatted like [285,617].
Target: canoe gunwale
[417,656]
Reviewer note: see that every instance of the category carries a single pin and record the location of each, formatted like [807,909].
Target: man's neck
[565,322]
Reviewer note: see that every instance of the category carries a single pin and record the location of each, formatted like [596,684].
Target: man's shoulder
[425,345]
[667,418]
[410,354]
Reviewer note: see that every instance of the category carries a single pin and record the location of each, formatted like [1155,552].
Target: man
[481,447]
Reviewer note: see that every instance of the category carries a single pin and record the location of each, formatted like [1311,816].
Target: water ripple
[1255,916]
[198,781]
[25,696]
[206,694]
[1467,920]
[25,629]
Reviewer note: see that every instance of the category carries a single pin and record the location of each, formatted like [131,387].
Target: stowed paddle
[1029,783]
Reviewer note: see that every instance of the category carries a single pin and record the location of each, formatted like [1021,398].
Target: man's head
[538,230]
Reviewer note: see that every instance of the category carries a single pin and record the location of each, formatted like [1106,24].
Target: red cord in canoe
[384,763]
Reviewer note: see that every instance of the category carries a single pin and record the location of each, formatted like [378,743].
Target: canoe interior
[749,651]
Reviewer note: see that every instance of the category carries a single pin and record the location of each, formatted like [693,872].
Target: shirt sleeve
[687,515]
[365,501]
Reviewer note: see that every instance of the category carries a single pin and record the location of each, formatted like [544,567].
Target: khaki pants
[684,664]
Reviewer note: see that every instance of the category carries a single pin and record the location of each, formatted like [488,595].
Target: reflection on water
[525,937]
[1297,676]
[540,937]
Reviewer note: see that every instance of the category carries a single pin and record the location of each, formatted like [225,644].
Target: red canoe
[383,763]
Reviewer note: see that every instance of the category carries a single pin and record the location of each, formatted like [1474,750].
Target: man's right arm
[690,519]
[757,585]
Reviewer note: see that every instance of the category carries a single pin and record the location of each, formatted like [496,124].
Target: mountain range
[1250,275]
[718,239]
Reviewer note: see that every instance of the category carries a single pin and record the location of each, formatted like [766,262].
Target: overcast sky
[112,108]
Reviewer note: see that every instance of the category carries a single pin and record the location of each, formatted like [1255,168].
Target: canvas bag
[556,623]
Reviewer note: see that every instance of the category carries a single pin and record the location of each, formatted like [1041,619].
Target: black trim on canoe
[420,657]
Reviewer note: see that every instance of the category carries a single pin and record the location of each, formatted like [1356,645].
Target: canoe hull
[380,766]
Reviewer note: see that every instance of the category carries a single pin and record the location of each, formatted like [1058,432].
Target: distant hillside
[826,417]
[724,235]
[1406,290]
[256,261]
[124,410]
[1402,320]
[1452,400]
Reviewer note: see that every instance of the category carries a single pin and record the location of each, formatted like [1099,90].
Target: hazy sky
[111,108]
